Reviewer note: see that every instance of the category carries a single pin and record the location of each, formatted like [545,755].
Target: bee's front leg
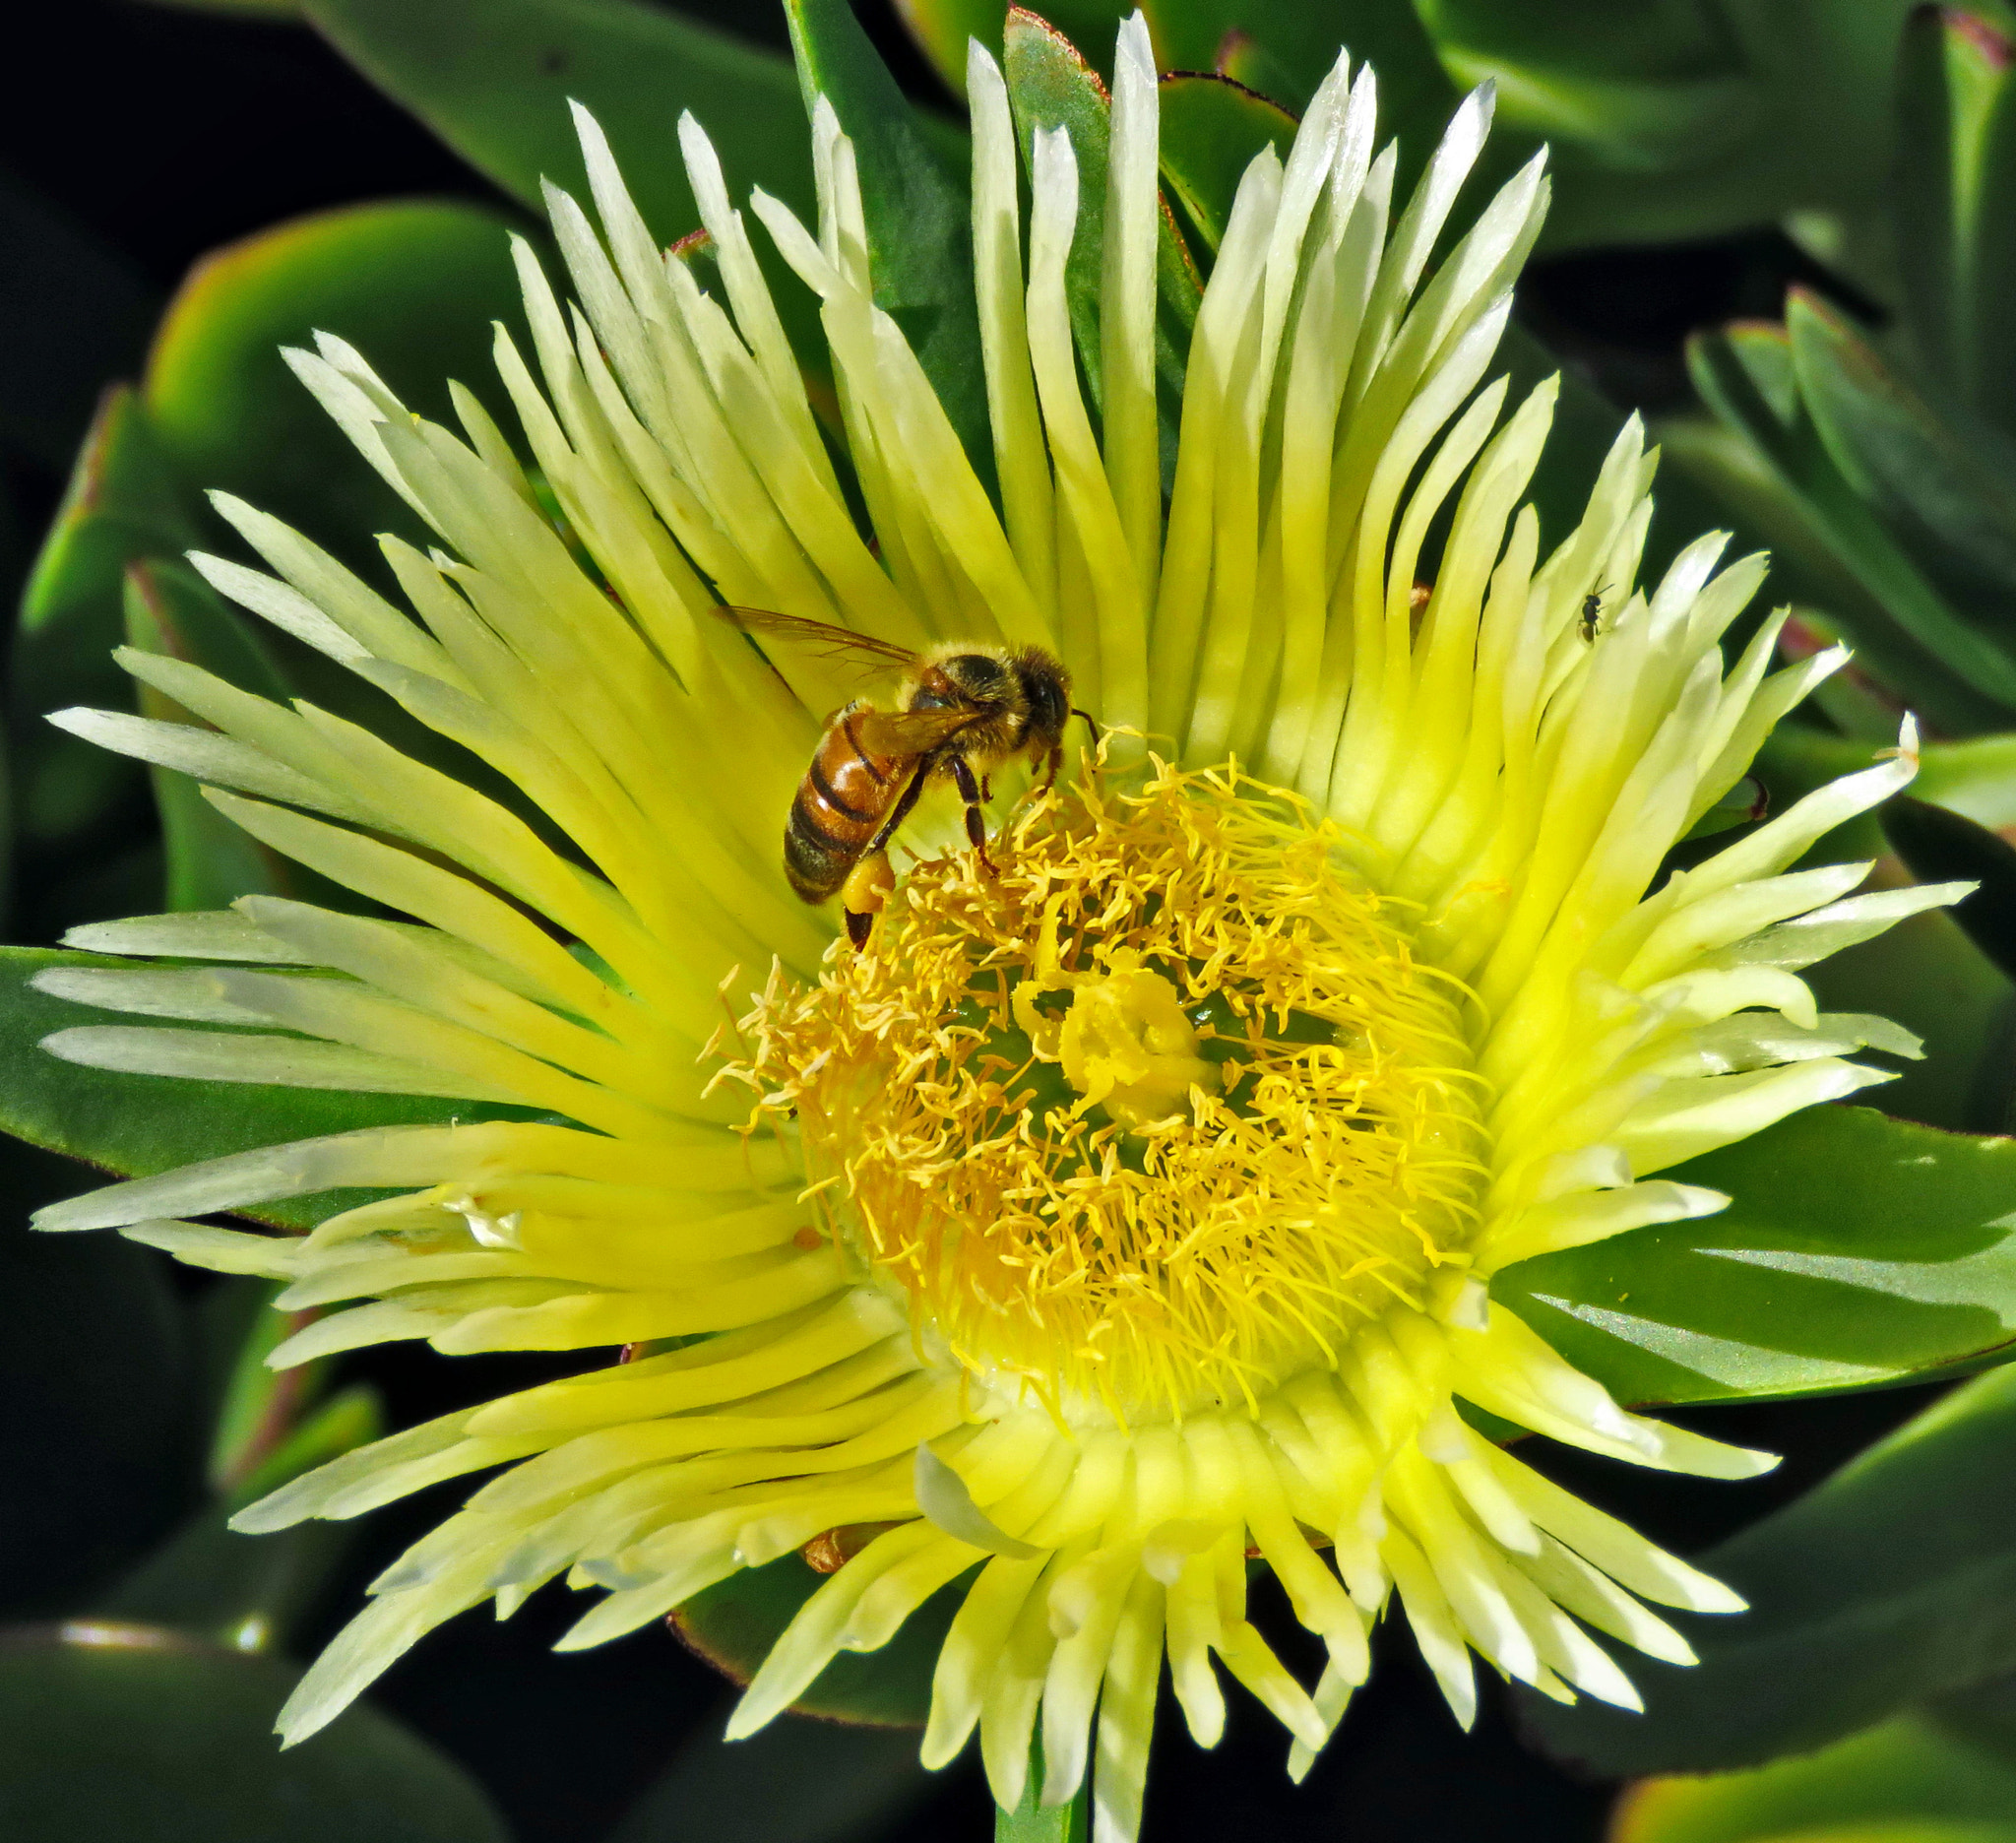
[969,792]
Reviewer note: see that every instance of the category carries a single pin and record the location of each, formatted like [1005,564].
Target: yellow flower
[1128,1206]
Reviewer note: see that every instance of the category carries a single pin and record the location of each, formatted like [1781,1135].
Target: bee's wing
[863,650]
[910,732]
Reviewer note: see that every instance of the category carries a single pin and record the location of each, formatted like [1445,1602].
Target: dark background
[141,138]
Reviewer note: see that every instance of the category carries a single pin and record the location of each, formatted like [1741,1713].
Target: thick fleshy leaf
[1858,1251]
[1690,121]
[916,208]
[734,1624]
[1297,47]
[1283,52]
[1893,1581]
[140,1124]
[1901,625]
[494,77]
[124,502]
[413,286]
[1211,129]
[133,1733]
[1643,91]
[1939,846]
[795,1781]
[1911,1771]
[100,1407]
[1943,482]
[1956,204]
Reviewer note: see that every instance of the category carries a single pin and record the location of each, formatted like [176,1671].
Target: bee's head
[1049,692]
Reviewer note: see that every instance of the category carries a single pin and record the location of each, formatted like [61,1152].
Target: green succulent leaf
[124,503]
[1908,1781]
[1688,121]
[1956,205]
[135,1126]
[916,210]
[136,1734]
[1296,46]
[494,79]
[1859,1250]
[413,286]
[1281,51]
[1211,129]
[1937,847]
[734,1624]
[1943,483]
[1893,1581]
[1901,625]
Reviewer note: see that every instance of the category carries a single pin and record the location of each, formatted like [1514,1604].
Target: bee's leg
[969,792]
[1052,762]
[900,811]
[986,787]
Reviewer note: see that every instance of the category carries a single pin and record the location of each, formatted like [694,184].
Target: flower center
[1153,1118]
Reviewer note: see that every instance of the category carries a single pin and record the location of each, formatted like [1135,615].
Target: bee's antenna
[1092,723]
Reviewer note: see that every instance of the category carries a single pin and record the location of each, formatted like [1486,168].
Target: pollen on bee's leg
[863,895]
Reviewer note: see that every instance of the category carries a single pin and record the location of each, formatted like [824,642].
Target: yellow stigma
[1156,1117]
[1124,1044]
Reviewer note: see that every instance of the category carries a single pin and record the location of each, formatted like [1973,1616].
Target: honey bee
[960,711]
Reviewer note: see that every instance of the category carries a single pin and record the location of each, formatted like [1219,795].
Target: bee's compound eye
[1049,704]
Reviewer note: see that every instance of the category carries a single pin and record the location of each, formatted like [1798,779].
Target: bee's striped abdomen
[839,803]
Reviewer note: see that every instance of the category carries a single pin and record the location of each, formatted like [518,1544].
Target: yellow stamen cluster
[1152,1117]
